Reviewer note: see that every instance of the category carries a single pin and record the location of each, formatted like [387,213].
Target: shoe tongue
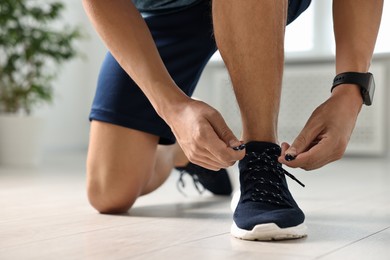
[271,149]
[260,147]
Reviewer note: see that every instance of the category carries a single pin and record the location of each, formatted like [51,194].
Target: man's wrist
[365,81]
[351,95]
[168,103]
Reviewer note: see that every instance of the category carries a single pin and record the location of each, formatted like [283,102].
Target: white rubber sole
[271,231]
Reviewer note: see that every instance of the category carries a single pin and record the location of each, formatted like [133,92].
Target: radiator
[305,86]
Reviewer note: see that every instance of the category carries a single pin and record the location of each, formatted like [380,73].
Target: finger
[317,156]
[285,156]
[202,157]
[223,131]
[213,151]
[212,162]
[222,153]
[282,158]
[227,155]
[222,141]
[284,147]
[311,159]
[303,141]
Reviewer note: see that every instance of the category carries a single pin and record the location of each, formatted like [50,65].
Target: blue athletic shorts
[185,43]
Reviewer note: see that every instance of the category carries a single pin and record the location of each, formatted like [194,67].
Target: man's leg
[250,37]
[167,157]
[122,165]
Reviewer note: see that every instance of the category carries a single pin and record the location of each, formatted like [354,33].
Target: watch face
[368,95]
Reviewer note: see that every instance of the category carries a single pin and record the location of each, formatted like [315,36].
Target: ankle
[262,135]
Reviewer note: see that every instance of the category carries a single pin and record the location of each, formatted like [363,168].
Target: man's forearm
[128,38]
[328,130]
[356,25]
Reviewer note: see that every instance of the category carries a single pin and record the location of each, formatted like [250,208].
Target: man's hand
[204,136]
[327,132]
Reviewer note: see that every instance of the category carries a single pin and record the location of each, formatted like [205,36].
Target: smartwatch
[364,80]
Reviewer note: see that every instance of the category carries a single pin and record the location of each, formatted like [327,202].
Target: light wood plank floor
[44,214]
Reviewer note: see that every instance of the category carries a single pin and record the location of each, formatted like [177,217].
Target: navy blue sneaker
[266,209]
[217,182]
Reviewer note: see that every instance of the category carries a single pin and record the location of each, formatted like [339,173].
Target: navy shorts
[185,42]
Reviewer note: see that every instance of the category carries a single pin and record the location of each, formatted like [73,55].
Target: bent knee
[112,189]
[108,200]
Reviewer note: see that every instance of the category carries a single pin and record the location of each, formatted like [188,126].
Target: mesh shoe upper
[265,197]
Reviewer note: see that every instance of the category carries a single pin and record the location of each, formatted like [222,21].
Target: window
[299,34]
[383,41]
[312,33]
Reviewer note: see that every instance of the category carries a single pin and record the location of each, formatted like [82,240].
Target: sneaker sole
[271,231]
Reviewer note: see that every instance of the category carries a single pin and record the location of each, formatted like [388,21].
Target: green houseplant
[29,47]
[33,42]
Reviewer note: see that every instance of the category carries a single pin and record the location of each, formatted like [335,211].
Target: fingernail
[234,143]
[289,157]
[239,148]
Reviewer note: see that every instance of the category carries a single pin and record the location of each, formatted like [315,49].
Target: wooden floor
[44,214]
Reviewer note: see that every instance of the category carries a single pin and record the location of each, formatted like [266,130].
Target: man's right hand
[199,129]
[203,135]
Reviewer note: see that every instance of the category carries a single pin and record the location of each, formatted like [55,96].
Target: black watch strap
[358,78]
[363,80]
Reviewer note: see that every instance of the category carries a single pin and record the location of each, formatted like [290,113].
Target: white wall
[67,123]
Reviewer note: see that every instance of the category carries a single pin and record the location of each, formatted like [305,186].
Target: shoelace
[267,161]
[181,183]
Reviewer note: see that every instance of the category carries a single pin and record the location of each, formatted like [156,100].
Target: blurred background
[44,210]
[309,67]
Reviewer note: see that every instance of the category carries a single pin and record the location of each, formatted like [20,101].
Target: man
[143,100]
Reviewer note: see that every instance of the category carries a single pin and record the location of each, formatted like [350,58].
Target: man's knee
[106,201]
[111,196]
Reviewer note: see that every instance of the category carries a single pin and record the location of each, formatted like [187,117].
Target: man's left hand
[325,136]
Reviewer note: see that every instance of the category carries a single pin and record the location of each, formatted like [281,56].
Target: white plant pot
[20,140]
